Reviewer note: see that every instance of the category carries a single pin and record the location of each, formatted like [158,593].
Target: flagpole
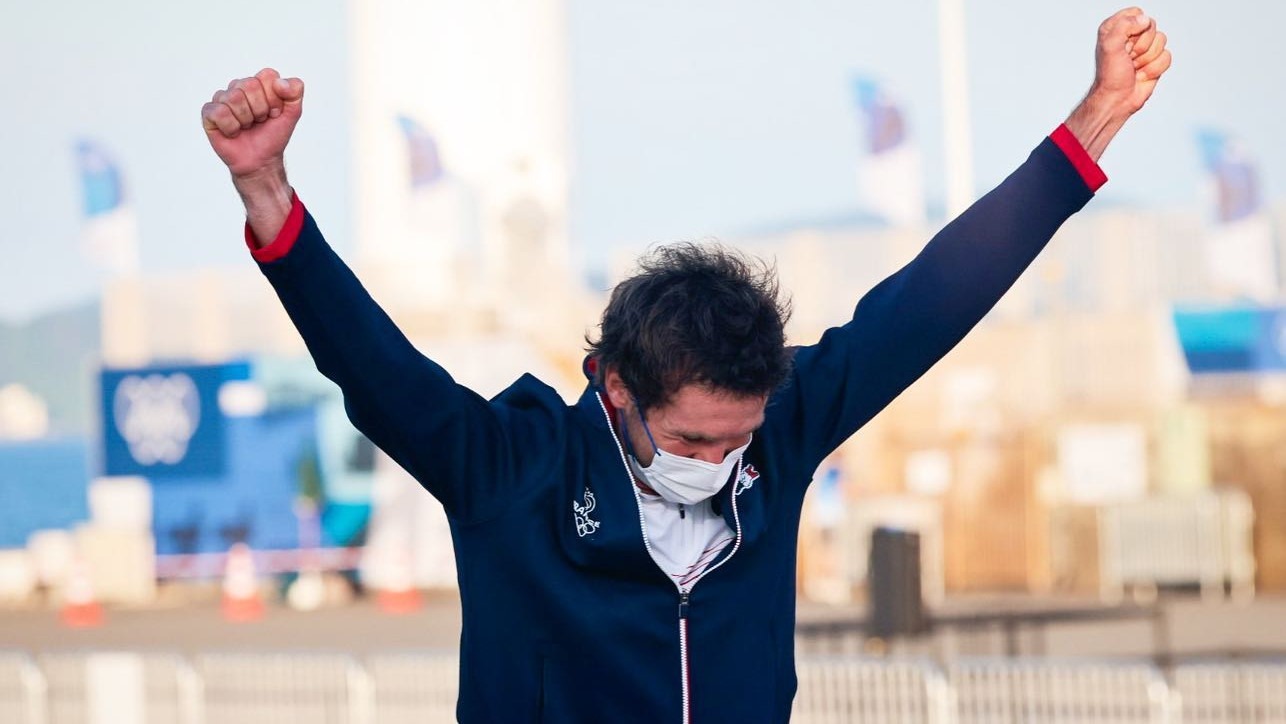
[957,133]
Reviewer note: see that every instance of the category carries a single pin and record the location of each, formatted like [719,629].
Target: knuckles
[242,104]
[220,117]
[249,85]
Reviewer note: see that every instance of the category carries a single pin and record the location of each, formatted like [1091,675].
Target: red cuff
[1091,174]
[285,240]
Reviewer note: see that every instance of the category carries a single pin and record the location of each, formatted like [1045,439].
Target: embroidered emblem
[584,525]
[747,480]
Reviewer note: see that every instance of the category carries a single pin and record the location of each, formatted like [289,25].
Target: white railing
[1203,539]
[1214,693]
[279,689]
[22,690]
[414,688]
[837,690]
[105,687]
[132,688]
[1006,692]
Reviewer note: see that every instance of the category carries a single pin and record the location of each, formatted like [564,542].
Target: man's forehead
[700,411]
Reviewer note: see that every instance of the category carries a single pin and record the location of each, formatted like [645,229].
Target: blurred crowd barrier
[129,688]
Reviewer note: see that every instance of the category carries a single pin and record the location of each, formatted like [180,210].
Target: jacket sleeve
[459,446]
[910,320]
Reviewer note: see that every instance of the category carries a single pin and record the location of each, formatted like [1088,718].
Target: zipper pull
[682,514]
[683,604]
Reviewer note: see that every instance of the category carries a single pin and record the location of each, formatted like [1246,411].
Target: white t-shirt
[684,543]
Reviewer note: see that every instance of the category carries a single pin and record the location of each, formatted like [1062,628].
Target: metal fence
[149,688]
[103,687]
[1007,692]
[414,688]
[22,689]
[837,690]
[281,689]
[1247,693]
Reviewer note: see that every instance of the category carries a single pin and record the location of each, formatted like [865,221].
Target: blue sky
[689,119]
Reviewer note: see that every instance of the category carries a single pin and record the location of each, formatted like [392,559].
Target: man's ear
[617,393]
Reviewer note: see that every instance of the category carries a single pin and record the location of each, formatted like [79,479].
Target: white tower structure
[480,206]
[454,124]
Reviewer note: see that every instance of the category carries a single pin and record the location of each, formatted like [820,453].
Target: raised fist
[1130,58]
[250,122]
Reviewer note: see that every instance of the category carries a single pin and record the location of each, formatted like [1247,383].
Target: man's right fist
[250,122]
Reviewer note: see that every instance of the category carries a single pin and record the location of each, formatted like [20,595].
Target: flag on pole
[422,153]
[890,177]
[1240,254]
[424,259]
[111,229]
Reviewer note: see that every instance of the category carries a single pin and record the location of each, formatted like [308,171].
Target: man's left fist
[1131,57]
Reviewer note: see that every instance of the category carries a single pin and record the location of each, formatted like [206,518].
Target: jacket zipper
[683,655]
[685,592]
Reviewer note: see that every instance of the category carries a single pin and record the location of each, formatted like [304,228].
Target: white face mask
[685,480]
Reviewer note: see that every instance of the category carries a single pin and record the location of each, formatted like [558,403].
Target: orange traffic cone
[241,600]
[80,609]
[399,594]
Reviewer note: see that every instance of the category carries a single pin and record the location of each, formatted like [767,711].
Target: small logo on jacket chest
[746,480]
[580,513]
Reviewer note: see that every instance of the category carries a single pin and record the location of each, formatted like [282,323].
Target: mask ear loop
[646,429]
[625,435]
[683,512]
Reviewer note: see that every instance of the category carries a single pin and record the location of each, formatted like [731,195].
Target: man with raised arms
[631,557]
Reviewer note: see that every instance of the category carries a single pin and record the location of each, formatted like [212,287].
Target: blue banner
[1233,339]
[160,422]
[271,462]
[43,485]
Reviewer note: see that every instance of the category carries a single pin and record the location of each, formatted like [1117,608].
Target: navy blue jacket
[566,618]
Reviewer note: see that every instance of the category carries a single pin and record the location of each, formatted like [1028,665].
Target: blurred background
[1098,471]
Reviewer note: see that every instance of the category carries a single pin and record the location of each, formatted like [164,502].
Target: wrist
[266,195]
[264,183]
[1096,120]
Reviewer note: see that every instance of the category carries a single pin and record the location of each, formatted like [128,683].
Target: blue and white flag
[885,125]
[100,179]
[1234,176]
[1240,254]
[422,153]
[890,177]
[422,257]
[111,230]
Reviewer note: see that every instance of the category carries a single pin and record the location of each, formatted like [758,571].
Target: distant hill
[56,356]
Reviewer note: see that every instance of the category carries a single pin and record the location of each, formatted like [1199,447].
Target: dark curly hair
[695,314]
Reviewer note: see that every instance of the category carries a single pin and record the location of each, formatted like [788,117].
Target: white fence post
[361,694]
[414,688]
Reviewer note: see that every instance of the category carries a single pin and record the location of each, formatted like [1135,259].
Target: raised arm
[907,323]
[1129,60]
[249,125]
[456,444]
